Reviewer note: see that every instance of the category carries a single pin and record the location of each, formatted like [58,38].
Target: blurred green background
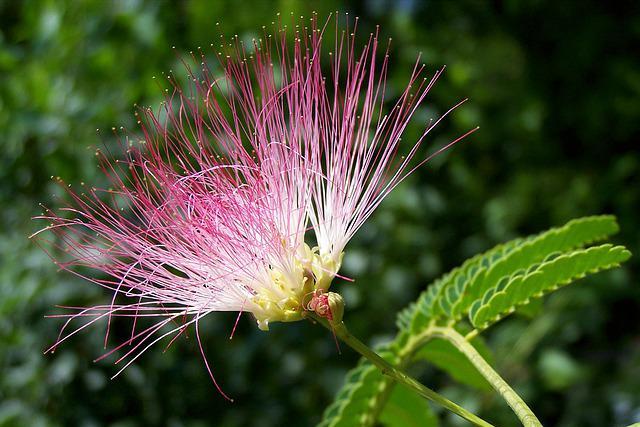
[556,90]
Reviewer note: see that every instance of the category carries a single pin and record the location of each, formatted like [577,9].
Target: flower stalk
[341,332]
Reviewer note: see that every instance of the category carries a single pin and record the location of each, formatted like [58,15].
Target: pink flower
[247,186]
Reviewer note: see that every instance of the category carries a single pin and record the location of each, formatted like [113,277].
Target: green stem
[341,331]
[519,407]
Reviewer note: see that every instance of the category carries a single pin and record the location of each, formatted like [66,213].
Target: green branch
[341,332]
[519,407]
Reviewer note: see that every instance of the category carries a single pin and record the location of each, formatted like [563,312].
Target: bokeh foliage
[555,89]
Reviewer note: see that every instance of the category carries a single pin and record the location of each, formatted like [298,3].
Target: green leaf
[519,288]
[445,356]
[534,249]
[406,409]
[453,295]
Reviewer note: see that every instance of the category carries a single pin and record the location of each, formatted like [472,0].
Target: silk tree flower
[246,187]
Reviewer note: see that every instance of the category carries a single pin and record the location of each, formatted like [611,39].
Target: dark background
[554,86]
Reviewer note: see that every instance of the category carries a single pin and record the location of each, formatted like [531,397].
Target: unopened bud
[329,305]
[336,307]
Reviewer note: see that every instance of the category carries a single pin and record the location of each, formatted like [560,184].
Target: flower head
[248,183]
